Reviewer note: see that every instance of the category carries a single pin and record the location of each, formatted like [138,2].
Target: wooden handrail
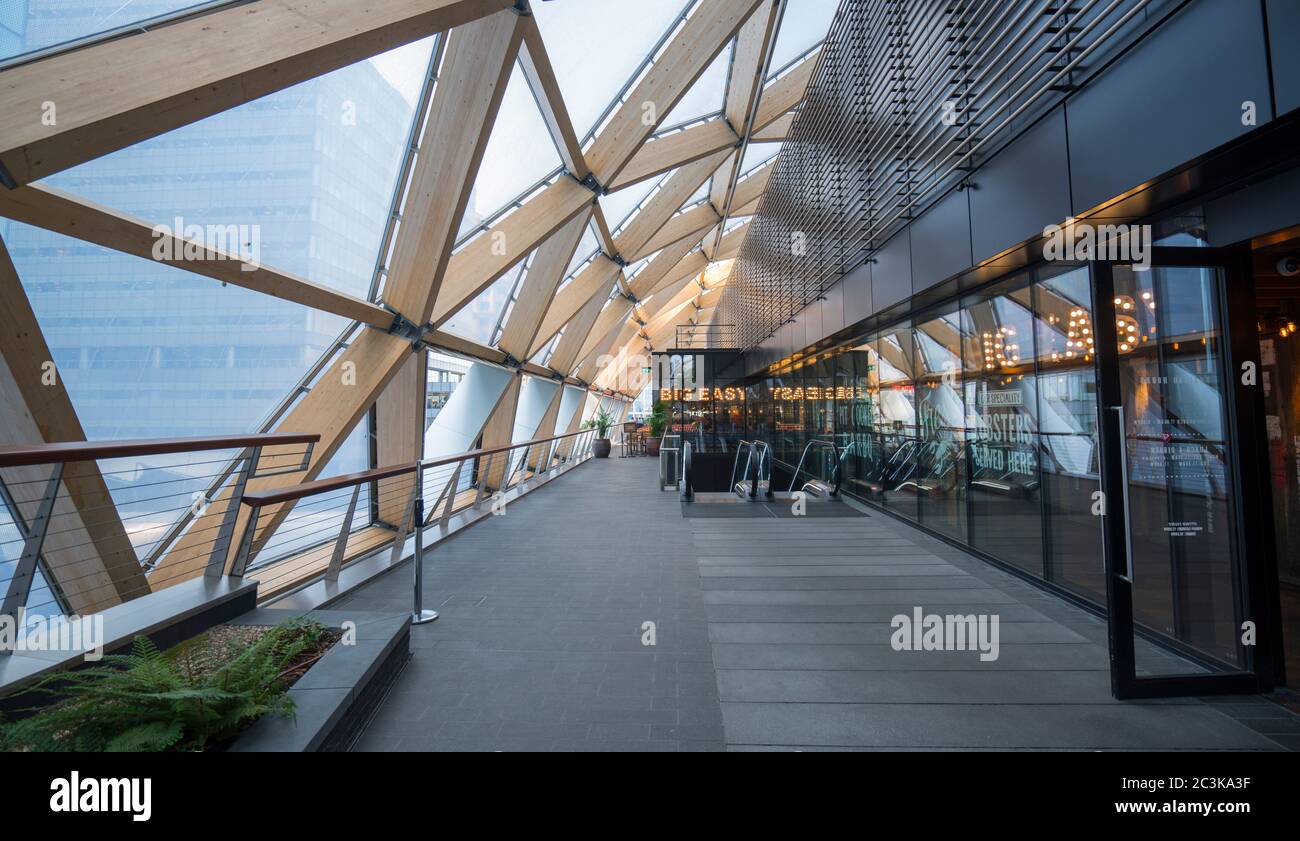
[23,455]
[445,460]
[320,486]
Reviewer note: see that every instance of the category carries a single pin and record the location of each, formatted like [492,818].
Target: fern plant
[151,700]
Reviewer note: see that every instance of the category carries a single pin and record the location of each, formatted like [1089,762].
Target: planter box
[336,697]
[600,448]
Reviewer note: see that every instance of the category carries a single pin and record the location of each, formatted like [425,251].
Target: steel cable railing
[80,518]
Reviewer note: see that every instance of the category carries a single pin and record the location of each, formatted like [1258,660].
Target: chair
[628,444]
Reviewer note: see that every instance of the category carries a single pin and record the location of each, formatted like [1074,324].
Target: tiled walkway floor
[539,641]
[777,628]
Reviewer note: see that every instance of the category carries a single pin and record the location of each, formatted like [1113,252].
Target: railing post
[451,492]
[341,545]
[240,566]
[419,615]
[399,542]
[221,546]
[20,583]
[483,476]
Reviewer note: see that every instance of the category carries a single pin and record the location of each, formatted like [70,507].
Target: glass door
[1175,557]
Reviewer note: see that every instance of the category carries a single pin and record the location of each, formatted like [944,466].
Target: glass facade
[977,420]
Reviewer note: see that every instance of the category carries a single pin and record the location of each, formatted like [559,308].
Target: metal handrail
[62,452]
[764,454]
[543,454]
[794,477]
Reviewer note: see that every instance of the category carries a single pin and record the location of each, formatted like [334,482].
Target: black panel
[1023,188]
[891,276]
[856,296]
[833,310]
[1284,44]
[1177,97]
[1259,209]
[941,241]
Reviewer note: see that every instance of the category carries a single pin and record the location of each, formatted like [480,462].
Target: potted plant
[601,423]
[658,420]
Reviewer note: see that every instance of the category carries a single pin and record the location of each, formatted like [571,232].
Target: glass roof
[757,154]
[30,25]
[706,96]
[304,176]
[618,206]
[478,320]
[519,153]
[596,46]
[805,23]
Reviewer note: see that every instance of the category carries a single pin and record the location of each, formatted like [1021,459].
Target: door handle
[1124,507]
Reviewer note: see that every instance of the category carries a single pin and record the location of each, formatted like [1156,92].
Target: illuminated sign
[691,395]
[812,392]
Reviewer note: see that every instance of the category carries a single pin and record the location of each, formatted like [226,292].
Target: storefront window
[1002,425]
[897,421]
[1066,335]
[940,479]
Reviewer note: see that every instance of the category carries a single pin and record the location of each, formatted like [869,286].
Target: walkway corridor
[768,634]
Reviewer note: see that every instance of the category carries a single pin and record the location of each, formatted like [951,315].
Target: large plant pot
[652,446]
[600,448]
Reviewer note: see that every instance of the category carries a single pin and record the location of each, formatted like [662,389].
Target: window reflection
[1067,421]
[1002,425]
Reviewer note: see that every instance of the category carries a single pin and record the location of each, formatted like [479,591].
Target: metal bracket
[7,179]
[592,184]
[511,362]
[618,260]
[404,328]
[522,9]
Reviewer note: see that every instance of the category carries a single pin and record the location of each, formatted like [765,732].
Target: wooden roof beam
[538,288]
[491,254]
[687,56]
[677,149]
[60,212]
[540,74]
[117,93]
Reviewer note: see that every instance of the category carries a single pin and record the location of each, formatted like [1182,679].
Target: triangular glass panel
[706,96]
[520,153]
[757,154]
[301,180]
[619,206]
[805,23]
[478,320]
[597,45]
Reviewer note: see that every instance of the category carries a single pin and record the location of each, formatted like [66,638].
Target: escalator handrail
[799,468]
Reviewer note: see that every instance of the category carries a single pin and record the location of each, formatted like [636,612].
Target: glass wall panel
[863,463]
[1002,426]
[1067,421]
[940,479]
[896,420]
